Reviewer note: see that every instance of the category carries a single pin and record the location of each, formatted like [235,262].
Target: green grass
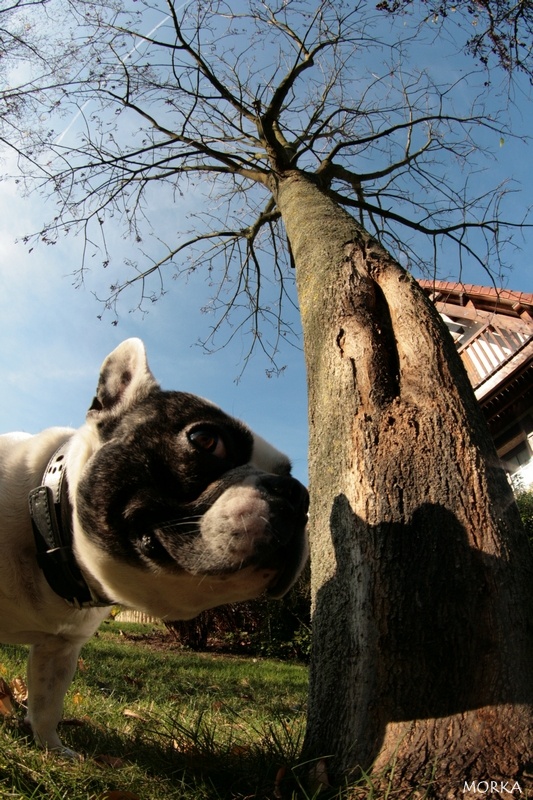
[163,724]
[159,723]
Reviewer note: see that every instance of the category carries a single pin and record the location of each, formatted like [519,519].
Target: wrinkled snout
[288,493]
[252,519]
[288,500]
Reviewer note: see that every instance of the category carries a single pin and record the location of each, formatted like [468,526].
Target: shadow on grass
[157,758]
[166,759]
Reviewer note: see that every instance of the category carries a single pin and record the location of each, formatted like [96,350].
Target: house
[493,332]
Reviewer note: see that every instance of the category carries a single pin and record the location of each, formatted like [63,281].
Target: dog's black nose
[289,489]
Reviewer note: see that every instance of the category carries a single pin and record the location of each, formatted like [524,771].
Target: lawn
[154,721]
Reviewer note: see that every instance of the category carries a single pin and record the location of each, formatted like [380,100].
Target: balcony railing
[489,349]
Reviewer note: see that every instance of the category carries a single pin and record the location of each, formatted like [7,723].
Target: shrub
[524,500]
[262,627]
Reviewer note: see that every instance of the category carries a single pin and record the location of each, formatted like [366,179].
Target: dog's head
[173,496]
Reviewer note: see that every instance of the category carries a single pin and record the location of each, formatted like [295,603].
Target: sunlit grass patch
[162,723]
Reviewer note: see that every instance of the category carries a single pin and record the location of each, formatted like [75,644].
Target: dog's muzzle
[289,503]
[246,519]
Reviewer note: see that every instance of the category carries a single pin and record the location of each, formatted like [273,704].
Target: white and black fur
[176,508]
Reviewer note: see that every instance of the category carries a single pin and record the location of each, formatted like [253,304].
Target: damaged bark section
[362,305]
[421,574]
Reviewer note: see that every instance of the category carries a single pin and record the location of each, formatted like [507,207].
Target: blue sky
[53,342]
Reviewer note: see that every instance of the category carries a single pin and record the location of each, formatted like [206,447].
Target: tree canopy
[498,32]
[119,103]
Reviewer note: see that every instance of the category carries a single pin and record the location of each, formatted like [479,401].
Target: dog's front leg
[51,666]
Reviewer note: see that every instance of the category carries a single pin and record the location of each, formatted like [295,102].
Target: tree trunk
[422,576]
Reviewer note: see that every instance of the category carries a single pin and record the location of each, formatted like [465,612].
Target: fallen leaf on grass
[282,771]
[133,681]
[6,706]
[189,749]
[319,774]
[110,761]
[133,714]
[19,690]
[240,750]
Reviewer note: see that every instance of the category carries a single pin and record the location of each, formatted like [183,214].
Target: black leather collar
[51,516]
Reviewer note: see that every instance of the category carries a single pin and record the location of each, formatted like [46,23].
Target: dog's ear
[125,378]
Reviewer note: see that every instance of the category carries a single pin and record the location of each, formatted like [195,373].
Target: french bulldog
[159,502]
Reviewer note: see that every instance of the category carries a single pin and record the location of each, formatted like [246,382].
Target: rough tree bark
[421,573]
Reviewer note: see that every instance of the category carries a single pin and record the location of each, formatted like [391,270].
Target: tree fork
[421,571]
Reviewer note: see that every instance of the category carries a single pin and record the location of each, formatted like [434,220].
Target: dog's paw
[65,753]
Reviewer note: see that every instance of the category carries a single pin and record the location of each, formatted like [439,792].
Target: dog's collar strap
[51,516]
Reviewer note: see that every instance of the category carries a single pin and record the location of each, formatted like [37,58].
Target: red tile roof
[491,298]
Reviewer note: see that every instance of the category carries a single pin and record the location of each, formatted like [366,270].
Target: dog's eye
[208,440]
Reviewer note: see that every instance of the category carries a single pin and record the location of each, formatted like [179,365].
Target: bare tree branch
[167,97]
